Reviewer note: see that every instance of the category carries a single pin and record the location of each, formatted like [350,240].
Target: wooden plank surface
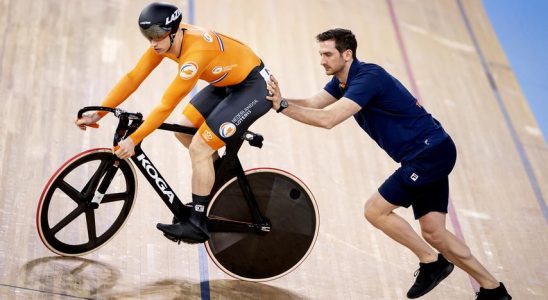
[57,56]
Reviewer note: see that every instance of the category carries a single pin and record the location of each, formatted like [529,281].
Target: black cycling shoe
[184,232]
[174,220]
[499,293]
[429,275]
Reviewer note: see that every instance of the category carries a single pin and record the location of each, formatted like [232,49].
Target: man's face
[160,45]
[331,59]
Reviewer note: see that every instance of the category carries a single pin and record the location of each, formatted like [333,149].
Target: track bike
[263,222]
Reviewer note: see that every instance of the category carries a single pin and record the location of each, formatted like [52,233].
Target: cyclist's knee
[199,149]
[184,138]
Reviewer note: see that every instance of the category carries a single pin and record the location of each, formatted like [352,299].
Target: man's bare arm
[319,100]
[327,117]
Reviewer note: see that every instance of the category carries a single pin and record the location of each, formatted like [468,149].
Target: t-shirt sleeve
[332,87]
[363,88]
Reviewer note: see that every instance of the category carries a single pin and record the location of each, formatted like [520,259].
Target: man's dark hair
[344,39]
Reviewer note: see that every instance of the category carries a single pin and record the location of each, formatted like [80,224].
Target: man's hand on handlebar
[88,120]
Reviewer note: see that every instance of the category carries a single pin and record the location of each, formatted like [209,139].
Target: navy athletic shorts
[423,181]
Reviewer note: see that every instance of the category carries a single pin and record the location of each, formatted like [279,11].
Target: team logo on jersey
[207,37]
[227,129]
[219,69]
[188,70]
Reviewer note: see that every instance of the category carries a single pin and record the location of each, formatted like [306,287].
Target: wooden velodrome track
[58,56]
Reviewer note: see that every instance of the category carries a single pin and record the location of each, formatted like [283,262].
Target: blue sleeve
[332,87]
[364,87]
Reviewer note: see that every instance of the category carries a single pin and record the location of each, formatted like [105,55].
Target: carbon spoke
[70,191]
[69,218]
[90,221]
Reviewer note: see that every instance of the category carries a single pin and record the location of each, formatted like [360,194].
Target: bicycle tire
[292,211]
[60,195]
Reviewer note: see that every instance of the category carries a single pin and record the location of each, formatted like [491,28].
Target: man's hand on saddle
[88,120]
[274,93]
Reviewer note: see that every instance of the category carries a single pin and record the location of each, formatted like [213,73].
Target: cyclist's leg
[245,103]
[182,137]
[194,114]
[199,107]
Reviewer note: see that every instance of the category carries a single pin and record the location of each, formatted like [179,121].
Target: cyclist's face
[160,45]
[331,59]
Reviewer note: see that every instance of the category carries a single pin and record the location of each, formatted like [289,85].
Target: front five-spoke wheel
[69,218]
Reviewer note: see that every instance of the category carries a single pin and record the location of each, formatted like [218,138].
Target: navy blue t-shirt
[389,114]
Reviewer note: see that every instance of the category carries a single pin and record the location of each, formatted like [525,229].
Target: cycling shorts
[223,114]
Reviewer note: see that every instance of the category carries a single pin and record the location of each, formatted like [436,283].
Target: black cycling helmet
[159,18]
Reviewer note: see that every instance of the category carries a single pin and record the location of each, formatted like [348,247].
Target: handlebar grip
[93,108]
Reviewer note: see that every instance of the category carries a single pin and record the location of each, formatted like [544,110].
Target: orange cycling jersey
[207,55]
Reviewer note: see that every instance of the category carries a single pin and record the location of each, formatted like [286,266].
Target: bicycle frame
[230,167]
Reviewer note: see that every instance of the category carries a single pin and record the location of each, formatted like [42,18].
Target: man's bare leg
[434,232]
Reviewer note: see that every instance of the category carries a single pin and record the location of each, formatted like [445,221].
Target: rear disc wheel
[287,203]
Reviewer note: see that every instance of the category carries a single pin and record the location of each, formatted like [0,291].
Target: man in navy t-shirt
[398,123]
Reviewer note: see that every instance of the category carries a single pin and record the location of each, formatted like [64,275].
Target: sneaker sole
[441,277]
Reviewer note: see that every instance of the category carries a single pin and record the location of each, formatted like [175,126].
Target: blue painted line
[202,254]
[190,12]
[204,273]
[515,138]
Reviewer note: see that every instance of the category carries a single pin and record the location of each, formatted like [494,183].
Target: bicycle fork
[111,169]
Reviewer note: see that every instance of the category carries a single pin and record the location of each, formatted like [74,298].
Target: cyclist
[409,134]
[233,100]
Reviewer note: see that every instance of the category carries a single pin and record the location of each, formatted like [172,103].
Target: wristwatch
[283,105]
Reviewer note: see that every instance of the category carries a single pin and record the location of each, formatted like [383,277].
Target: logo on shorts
[227,129]
[414,177]
[207,135]
[199,208]
[188,70]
